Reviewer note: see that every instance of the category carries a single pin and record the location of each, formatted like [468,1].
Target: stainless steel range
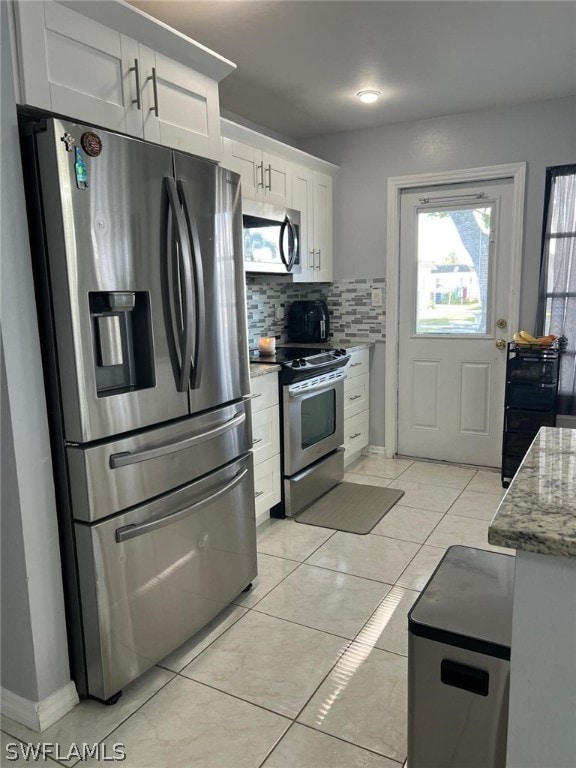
[312,423]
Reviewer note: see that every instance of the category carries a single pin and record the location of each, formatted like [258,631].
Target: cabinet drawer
[265,434]
[510,465]
[359,363]
[356,395]
[264,391]
[517,443]
[538,398]
[356,433]
[528,421]
[267,484]
[533,370]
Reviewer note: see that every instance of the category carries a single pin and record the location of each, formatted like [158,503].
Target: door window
[318,418]
[453,269]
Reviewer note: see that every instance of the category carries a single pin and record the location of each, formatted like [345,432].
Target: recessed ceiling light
[368,96]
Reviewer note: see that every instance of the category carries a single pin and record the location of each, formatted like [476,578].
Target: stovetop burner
[303,362]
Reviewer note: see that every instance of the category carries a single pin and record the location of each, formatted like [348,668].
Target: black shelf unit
[530,402]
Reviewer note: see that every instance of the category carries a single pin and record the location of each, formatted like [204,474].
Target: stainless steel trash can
[459,635]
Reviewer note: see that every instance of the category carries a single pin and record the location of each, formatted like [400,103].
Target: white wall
[33,637]
[538,133]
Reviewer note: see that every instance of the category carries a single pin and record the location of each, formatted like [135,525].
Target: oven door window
[318,418]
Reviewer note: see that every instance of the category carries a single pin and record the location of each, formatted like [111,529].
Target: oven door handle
[316,387]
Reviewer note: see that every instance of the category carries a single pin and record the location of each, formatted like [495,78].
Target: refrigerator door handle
[196,266]
[118,460]
[184,340]
[132,531]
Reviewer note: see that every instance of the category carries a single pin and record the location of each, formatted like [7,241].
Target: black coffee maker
[308,322]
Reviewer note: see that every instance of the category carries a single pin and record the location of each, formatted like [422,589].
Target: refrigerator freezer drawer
[113,476]
[151,578]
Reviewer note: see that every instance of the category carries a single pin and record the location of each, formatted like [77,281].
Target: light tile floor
[308,669]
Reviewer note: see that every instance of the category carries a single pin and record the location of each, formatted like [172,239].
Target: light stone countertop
[538,512]
[259,369]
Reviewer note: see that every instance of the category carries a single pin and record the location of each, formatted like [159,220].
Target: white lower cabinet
[265,444]
[356,405]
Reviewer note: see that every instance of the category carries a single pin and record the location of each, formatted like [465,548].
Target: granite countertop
[538,512]
[258,369]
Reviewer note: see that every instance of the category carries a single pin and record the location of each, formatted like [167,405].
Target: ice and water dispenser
[122,341]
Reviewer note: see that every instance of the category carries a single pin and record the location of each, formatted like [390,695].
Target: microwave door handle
[196,266]
[132,531]
[294,249]
[184,288]
[282,254]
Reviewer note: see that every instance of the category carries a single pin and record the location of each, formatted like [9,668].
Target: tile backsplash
[352,316]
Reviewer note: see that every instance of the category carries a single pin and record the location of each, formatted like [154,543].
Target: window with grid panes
[557,304]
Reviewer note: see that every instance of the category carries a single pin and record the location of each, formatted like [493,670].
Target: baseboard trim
[39,715]
[376,450]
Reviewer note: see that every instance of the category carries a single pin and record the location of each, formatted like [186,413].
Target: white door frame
[514,171]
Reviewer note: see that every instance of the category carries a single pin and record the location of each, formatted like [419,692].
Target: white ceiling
[301,62]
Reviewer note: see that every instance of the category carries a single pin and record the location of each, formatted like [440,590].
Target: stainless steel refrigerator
[137,251]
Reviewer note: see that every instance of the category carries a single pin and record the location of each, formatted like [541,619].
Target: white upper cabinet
[264,176]
[179,106]
[312,196]
[287,177]
[74,65]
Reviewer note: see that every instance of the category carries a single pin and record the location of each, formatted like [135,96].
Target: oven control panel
[314,383]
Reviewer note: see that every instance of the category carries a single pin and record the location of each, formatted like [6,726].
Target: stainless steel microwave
[271,238]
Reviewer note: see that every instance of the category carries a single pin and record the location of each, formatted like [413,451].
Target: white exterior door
[454,315]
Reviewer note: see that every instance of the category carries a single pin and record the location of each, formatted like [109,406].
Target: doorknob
[501,343]
[501,323]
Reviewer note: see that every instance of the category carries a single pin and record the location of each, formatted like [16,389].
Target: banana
[520,340]
[528,337]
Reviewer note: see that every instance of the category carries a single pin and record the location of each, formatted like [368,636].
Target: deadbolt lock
[501,323]
[501,343]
